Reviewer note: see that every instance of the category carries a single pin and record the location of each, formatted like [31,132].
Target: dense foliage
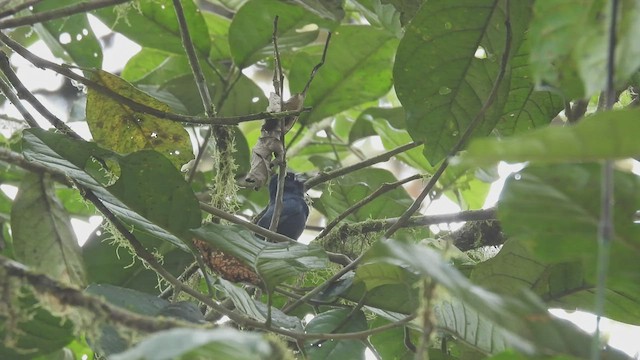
[436,90]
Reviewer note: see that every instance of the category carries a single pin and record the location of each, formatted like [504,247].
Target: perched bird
[294,210]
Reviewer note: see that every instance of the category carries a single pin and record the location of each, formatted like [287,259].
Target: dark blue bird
[294,210]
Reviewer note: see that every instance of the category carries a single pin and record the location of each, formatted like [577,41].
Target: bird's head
[291,185]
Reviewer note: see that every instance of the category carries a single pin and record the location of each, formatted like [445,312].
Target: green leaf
[250,33]
[604,135]
[69,37]
[108,340]
[328,9]
[442,87]
[119,128]
[357,69]
[336,321]
[37,331]
[222,344]
[132,300]
[42,234]
[526,109]
[170,208]
[219,36]
[569,43]
[560,285]
[390,344]
[273,262]
[109,263]
[380,14]
[557,216]
[257,310]
[353,187]
[161,30]
[407,8]
[486,320]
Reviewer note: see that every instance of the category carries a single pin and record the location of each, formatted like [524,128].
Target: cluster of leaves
[425,73]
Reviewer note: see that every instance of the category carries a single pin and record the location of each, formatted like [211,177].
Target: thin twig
[136,106]
[198,75]
[228,85]
[320,287]
[23,93]
[323,177]
[606,231]
[8,92]
[278,86]
[465,136]
[315,69]
[416,221]
[82,7]
[16,9]
[384,188]
[186,274]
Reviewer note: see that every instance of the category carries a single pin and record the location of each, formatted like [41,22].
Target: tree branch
[70,296]
[82,7]
[23,93]
[323,177]
[66,71]
[198,75]
[384,188]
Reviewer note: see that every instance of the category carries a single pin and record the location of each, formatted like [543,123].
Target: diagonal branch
[324,177]
[193,60]
[82,7]
[204,120]
[384,188]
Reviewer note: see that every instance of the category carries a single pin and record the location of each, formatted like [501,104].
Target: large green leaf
[328,9]
[569,41]
[42,235]
[222,344]
[560,285]
[250,33]
[28,329]
[273,262]
[605,135]
[526,108]
[119,128]
[71,36]
[442,87]
[353,187]
[219,35]
[390,344]
[158,19]
[336,321]
[555,211]
[109,341]
[357,69]
[255,309]
[167,211]
[486,320]
[108,262]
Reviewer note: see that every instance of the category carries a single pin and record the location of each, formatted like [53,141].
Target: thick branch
[74,297]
